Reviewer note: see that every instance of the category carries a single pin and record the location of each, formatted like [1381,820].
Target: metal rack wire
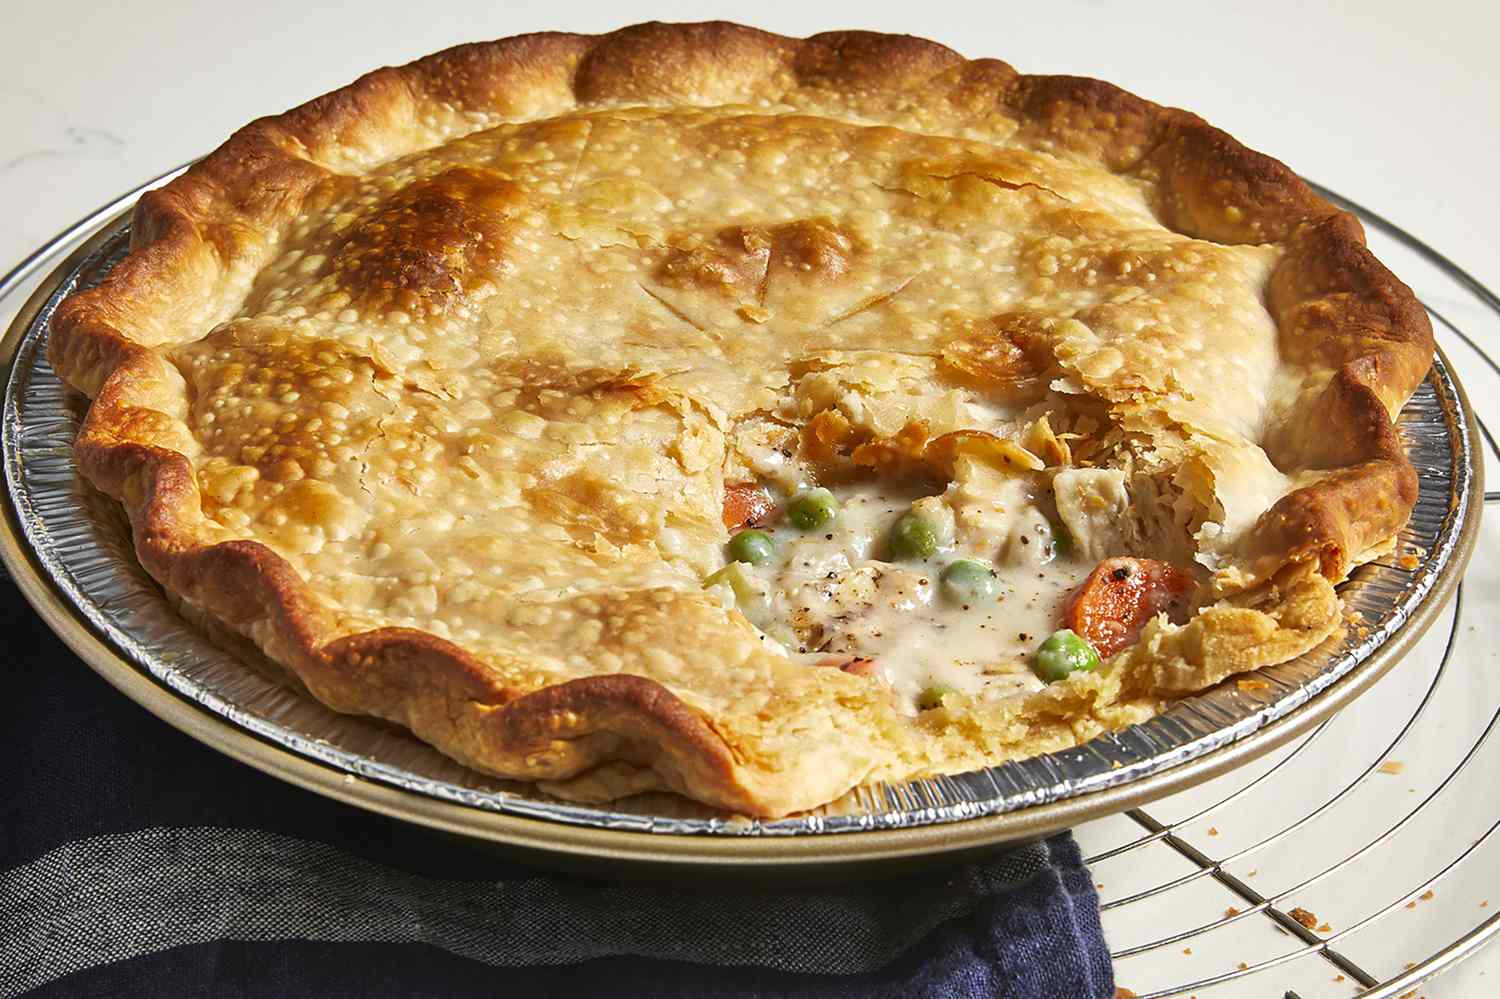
[1395,867]
[1353,842]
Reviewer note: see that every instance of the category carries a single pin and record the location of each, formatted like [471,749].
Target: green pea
[755,547]
[1062,540]
[733,576]
[811,510]
[969,582]
[913,538]
[1062,653]
[932,697]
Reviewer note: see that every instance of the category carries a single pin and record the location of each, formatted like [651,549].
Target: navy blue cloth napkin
[136,862]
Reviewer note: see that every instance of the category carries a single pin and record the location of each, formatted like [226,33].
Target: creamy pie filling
[851,593]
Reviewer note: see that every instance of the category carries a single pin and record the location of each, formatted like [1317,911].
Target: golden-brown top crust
[432,326]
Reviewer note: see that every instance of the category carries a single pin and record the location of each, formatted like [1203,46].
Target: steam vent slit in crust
[690,408]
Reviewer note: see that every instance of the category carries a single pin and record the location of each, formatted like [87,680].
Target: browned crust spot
[1331,298]
[1341,313]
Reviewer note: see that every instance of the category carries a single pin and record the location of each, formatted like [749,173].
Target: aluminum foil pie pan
[69,549]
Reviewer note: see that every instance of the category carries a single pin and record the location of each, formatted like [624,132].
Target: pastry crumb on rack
[1304,917]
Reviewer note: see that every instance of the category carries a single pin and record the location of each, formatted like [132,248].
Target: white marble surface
[1393,105]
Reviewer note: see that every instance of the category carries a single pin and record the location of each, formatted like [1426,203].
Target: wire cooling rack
[1359,860]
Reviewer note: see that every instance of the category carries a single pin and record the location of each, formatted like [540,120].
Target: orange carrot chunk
[746,504]
[1120,596]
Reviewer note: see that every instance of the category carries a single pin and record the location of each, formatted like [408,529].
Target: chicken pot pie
[691,408]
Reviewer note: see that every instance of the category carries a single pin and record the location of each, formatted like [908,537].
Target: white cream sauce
[835,591]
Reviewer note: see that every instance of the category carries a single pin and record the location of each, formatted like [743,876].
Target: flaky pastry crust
[413,197]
